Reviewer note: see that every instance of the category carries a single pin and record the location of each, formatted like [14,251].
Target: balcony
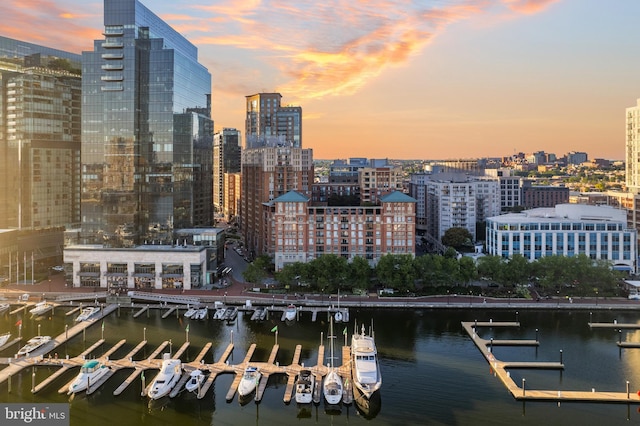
[112,56]
[113,45]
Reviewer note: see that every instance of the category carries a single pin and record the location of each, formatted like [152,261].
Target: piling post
[524,382]
[560,356]
[147,310]
[66,332]
[536,334]
[232,337]
[9,382]
[144,334]
[627,389]
[33,379]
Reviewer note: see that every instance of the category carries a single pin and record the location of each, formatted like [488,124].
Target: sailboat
[332,386]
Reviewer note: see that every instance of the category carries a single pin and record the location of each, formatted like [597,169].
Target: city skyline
[448,79]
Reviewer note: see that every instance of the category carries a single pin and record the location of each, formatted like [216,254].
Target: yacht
[4,338]
[41,308]
[366,369]
[167,378]
[196,380]
[33,344]
[190,312]
[4,307]
[90,373]
[249,381]
[304,387]
[332,386]
[87,313]
[290,313]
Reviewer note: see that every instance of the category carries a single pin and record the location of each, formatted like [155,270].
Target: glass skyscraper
[146,131]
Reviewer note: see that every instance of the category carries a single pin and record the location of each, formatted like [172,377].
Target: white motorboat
[190,312]
[290,313]
[332,385]
[33,344]
[4,307]
[201,313]
[196,380]
[219,314]
[166,379]
[87,313]
[231,314]
[90,373]
[338,316]
[4,338]
[366,369]
[304,387]
[41,308]
[249,381]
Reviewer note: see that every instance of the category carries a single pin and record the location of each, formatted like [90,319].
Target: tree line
[442,274]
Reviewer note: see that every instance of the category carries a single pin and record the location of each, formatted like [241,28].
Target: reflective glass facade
[147,131]
[39,136]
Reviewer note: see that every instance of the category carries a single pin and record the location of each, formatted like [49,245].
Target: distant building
[632,150]
[267,121]
[232,190]
[298,232]
[577,158]
[227,158]
[510,188]
[379,180]
[535,196]
[453,200]
[599,232]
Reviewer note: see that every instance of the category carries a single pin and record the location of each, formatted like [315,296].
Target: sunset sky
[429,79]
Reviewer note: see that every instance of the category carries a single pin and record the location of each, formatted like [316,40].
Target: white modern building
[188,264]
[632,148]
[599,232]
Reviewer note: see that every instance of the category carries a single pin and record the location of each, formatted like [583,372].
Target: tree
[457,237]
[359,273]
[329,271]
[396,271]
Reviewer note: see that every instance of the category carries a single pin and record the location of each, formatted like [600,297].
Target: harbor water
[432,372]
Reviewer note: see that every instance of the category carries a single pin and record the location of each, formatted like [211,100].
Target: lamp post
[596,297]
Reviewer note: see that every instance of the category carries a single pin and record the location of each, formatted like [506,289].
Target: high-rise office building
[226,159]
[39,154]
[146,130]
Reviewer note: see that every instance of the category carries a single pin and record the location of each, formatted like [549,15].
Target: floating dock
[500,369]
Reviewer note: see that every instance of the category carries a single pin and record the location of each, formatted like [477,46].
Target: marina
[224,355]
[37,357]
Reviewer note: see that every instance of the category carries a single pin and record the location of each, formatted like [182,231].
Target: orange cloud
[34,21]
[528,6]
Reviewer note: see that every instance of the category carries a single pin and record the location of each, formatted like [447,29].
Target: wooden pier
[500,369]
[153,362]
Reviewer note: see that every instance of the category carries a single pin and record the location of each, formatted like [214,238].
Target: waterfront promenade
[238,293]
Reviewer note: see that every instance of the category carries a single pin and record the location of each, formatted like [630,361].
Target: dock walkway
[500,369]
